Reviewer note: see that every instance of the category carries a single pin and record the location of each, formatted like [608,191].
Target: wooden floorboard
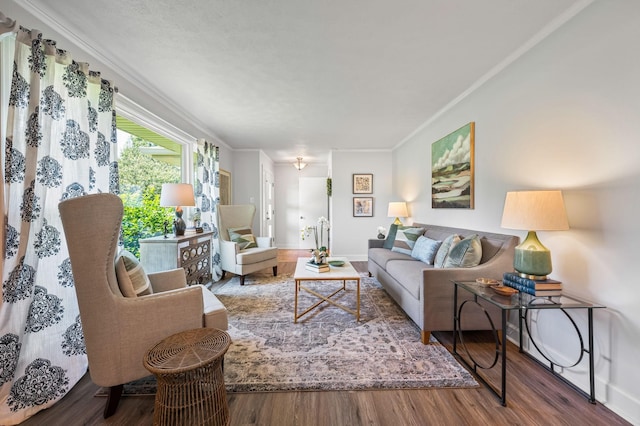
[534,397]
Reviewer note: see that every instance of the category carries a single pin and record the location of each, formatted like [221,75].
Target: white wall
[565,115]
[287,209]
[349,234]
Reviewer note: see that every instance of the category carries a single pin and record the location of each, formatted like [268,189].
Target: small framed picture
[363,183]
[362,206]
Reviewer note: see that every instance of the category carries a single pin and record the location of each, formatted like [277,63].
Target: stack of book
[542,288]
[324,267]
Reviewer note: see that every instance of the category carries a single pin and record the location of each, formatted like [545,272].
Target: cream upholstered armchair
[118,330]
[242,253]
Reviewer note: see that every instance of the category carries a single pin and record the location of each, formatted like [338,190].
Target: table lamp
[177,195]
[397,209]
[534,211]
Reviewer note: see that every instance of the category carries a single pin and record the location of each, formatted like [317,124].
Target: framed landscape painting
[363,183]
[362,206]
[452,169]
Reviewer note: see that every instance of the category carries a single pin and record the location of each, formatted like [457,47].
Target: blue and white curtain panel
[207,192]
[61,143]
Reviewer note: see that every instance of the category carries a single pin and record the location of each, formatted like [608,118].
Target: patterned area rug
[327,349]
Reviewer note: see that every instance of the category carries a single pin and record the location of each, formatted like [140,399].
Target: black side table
[523,303]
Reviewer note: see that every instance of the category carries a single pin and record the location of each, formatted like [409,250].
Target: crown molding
[85,43]
[541,35]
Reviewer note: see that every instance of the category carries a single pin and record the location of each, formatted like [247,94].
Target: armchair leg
[112,400]
[424,336]
[275,271]
[241,279]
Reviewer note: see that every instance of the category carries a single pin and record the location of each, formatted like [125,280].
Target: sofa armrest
[375,243]
[167,280]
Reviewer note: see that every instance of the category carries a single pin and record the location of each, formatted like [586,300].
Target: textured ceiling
[296,77]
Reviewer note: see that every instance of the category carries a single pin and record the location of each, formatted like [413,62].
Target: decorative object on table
[363,183]
[382,232]
[321,251]
[452,184]
[317,267]
[298,164]
[487,281]
[177,195]
[362,206]
[397,209]
[195,217]
[547,287]
[336,263]
[504,290]
[534,211]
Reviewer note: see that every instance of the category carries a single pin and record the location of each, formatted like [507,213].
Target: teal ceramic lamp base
[532,259]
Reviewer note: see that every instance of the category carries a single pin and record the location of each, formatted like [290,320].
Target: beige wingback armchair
[118,330]
[233,257]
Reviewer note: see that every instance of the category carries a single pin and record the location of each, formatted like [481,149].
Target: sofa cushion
[382,256]
[255,255]
[443,251]
[465,254]
[406,237]
[425,249]
[409,274]
[243,237]
[391,236]
[132,279]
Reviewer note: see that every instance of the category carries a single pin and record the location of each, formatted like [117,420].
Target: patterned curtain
[207,192]
[61,143]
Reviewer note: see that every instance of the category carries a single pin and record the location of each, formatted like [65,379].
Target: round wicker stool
[188,369]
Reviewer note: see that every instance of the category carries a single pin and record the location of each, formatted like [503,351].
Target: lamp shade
[535,211]
[397,209]
[177,194]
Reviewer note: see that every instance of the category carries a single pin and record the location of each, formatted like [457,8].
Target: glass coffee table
[343,273]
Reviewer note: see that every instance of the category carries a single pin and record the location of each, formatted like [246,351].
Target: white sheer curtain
[60,144]
[207,192]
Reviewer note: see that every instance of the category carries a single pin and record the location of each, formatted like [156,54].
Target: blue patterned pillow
[466,254]
[406,238]
[425,249]
[391,237]
[444,249]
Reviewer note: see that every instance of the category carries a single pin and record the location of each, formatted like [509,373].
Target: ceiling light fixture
[299,164]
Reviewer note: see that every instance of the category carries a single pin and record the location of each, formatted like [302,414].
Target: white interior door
[312,203]
[268,203]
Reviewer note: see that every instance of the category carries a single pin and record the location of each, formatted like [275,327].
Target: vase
[381,236]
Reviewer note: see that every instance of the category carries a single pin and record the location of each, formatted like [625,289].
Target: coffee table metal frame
[523,303]
[339,273]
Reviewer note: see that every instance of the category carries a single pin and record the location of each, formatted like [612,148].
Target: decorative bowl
[487,281]
[504,290]
[336,262]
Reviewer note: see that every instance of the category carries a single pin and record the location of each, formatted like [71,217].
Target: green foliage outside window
[141,179]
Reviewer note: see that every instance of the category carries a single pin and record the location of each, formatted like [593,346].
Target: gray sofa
[425,293]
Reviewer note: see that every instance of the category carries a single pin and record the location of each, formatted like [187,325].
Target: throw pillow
[243,237]
[443,251]
[406,237]
[466,254]
[425,249]
[391,236]
[132,279]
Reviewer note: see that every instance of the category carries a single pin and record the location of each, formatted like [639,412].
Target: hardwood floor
[534,397]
